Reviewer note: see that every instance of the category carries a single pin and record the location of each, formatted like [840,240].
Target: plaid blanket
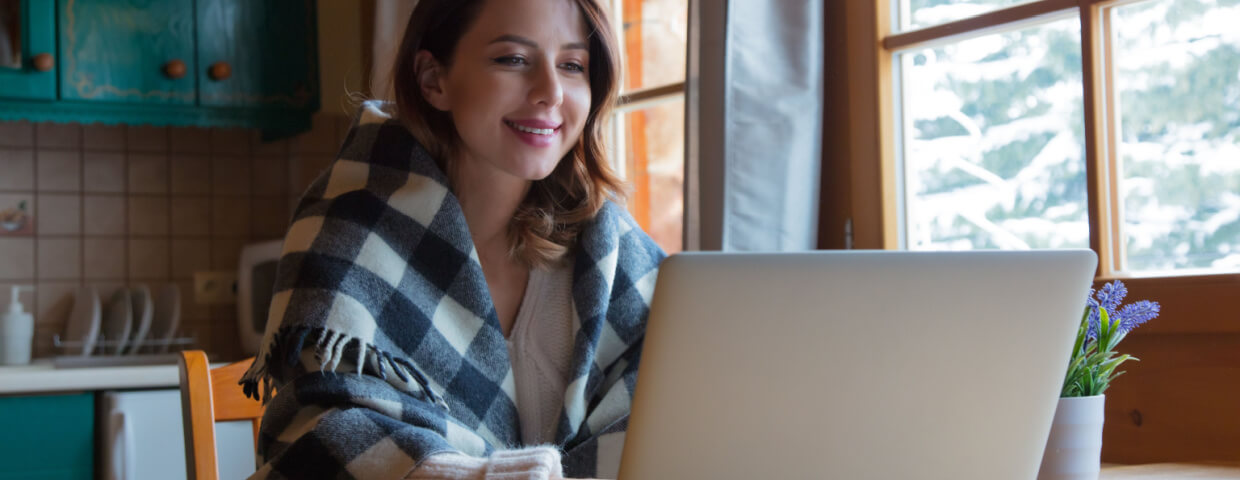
[380,287]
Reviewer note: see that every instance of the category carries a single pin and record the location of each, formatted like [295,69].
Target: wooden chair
[209,396]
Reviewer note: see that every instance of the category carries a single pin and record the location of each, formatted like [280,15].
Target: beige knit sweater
[537,463]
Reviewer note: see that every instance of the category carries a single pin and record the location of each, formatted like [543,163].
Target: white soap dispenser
[16,331]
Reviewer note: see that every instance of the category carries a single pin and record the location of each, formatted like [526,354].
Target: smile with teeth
[535,131]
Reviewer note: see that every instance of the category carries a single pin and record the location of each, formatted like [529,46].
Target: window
[1107,124]
[1020,129]
[993,141]
[648,127]
[1176,114]
[993,130]
[925,13]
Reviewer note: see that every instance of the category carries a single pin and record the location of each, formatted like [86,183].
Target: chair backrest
[209,396]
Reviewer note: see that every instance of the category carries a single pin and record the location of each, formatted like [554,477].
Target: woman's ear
[430,74]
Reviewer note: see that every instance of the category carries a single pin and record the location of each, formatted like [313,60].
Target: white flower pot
[1074,448]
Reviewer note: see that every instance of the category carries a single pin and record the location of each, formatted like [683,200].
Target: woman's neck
[489,198]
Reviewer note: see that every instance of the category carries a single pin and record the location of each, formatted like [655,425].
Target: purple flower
[1086,376]
[1092,305]
[1109,298]
[1111,294]
[1135,314]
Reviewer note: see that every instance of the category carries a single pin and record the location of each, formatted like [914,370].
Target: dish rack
[133,325]
[157,352]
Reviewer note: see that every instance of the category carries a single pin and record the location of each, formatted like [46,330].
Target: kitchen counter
[42,377]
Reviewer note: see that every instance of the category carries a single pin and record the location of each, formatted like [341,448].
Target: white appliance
[256,278]
[142,438]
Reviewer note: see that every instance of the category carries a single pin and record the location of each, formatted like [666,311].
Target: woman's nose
[547,89]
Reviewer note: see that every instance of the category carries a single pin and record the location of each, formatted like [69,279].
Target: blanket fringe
[329,347]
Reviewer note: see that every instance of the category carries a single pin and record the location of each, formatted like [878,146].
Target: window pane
[655,40]
[993,142]
[654,152]
[1177,76]
[914,14]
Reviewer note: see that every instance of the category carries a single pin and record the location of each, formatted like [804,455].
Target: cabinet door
[258,54]
[28,49]
[47,437]
[127,51]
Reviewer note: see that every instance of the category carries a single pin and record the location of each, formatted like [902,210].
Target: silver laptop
[854,365]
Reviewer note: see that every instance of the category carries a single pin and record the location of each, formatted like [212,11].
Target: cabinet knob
[174,69]
[219,71]
[44,62]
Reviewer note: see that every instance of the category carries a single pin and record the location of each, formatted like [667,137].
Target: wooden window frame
[630,102]
[860,194]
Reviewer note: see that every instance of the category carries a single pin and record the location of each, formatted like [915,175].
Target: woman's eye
[513,61]
[576,67]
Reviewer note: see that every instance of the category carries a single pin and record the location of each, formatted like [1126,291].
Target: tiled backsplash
[121,205]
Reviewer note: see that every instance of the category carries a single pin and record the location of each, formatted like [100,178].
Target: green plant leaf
[1109,366]
[1081,332]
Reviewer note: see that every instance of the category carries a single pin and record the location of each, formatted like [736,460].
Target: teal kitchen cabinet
[28,49]
[258,54]
[47,437]
[203,63]
[129,51]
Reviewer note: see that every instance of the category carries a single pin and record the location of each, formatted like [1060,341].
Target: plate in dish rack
[117,322]
[82,330]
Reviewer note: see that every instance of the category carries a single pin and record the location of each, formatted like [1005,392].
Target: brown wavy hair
[547,222]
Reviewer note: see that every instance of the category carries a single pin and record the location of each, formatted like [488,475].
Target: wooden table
[1169,471]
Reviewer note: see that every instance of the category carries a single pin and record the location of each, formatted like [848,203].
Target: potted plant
[1074,448]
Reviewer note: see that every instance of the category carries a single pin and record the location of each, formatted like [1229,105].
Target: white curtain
[754,124]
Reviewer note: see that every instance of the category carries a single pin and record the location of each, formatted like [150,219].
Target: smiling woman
[475,95]
[467,262]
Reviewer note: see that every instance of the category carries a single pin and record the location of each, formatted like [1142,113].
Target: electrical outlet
[215,288]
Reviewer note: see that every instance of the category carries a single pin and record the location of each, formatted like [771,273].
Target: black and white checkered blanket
[379,285]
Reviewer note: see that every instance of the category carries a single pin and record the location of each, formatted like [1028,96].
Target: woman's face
[517,88]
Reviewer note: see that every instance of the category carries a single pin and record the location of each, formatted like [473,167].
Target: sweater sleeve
[534,463]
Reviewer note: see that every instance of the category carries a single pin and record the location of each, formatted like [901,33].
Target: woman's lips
[537,133]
